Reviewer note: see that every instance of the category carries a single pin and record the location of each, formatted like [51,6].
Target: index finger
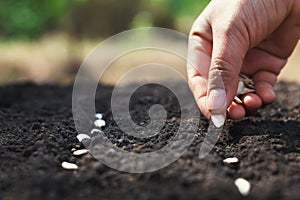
[197,69]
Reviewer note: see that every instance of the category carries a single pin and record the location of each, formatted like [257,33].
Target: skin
[254,37]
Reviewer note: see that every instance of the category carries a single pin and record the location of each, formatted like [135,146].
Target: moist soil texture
[37,133]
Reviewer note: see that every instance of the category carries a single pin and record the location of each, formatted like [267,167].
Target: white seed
[238,100]
[99,123]
[81,137]
[243,186]
[218,120]
[240,88]
[231,160]
[80,152]
[93,131]
[98,115]
[67,165]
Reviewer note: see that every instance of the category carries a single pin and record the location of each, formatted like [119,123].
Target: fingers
[263,75]
[213,68]
[207,79]
[197,67]
[198,87]
[264,81]
[227,58]
[236,111]
[251,102]
[223,77]
[217,50]
[263,67]
[199,58]
[258,59]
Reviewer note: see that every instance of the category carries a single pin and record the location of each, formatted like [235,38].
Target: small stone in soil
[81,137]
[99,123]
[243,186]
[231,160]
[98,115]
[70,166]
[80,152]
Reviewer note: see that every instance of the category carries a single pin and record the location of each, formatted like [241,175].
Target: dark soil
[37,133]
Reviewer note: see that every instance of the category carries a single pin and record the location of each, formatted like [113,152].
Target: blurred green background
[93,18]
[46,40]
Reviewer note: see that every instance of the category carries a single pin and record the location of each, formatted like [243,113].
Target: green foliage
[191,8]
[176,14]
[30,17]
[179,8]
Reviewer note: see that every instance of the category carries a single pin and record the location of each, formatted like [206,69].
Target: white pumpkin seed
[245,85]
[93,131]
[70,166]
[231,160]
[98,115]
[243,186]
[81,137]
[218,120]
[99,123]
[80,152]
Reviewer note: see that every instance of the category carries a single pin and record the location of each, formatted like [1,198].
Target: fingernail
[217,101]
[218,120]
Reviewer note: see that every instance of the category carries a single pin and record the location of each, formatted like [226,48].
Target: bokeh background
[46,41]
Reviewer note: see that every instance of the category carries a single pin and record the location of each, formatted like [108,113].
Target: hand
[253,37]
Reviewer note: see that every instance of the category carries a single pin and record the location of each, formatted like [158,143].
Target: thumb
[227,58]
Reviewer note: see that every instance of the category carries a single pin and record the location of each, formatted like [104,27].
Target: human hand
[253,37]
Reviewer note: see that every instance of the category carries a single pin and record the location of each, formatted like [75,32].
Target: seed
[98,115]
[243,186]
[99,123]
[80,152]
[245,85]
[93,131]
[81,137]
[67,165]
[241,87]
[218,120]
[238,100]
[231,160]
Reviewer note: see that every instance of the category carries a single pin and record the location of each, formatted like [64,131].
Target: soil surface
[37,133]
